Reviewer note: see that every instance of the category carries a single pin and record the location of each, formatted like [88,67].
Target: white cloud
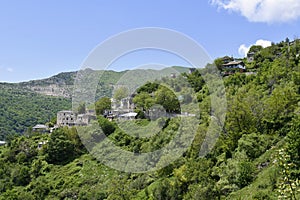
[6,69]
[243,49]
[270,11]
[9,69]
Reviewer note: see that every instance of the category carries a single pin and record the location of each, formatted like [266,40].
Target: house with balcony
[233,67]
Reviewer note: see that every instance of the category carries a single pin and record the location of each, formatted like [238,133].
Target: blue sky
[42,38]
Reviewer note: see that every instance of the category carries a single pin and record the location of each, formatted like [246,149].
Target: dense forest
[21,109]
[256,155]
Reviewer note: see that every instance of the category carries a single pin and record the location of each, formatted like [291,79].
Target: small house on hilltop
[233,67]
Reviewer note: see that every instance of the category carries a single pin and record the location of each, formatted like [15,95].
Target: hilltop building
[84,119]
[233,67]
[40,128]
[66,118]
[70,118]
[124,105]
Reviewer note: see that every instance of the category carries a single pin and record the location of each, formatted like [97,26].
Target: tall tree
[102,104]
[121,93]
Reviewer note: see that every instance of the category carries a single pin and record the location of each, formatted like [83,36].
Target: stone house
[70,118]
[66,118]
[84,119]
[125,104]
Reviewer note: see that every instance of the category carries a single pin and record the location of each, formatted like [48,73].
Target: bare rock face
[53,90]
[60,85]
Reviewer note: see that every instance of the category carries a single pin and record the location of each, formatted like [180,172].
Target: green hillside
[25,104]
[21,109]
[256,155]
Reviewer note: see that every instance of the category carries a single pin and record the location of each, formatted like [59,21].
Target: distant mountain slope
[61,85]
[20,109]
[58,85]
[25,104]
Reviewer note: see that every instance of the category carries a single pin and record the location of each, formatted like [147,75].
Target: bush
[106,126]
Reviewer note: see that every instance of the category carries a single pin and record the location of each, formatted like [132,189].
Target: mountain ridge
[61,84]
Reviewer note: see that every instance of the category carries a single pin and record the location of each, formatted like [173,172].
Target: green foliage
[195,80]
[144,101]
[255,48]
[245,173]
[288,185]
[81,108]
[293,146]
[22,109]
[218,62]
[153,94]
[149,88]
[254,145]
[121,93]
[106,126]
[166,98]
[262,118]
[102,104]
[60,148]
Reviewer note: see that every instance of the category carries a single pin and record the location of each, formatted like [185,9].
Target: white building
[2,143]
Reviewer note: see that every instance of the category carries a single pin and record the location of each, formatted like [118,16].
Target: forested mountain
[61,85]
[25,104]
[256,155]
[21,109]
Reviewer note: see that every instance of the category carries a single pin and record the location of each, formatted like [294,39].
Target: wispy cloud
[243,49]
[6,69]
[9,69]
[269,11]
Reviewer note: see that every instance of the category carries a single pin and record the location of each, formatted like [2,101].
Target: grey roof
[65,111]
[131,114]
[233,63]
[40,126]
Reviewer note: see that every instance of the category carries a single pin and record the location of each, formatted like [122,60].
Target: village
[124,109]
